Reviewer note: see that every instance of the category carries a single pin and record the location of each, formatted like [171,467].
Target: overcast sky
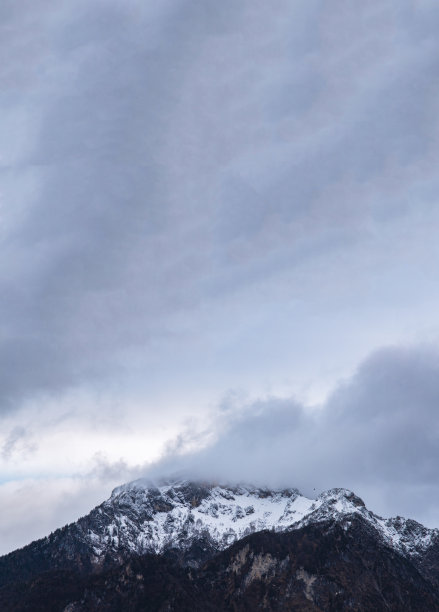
[218,246]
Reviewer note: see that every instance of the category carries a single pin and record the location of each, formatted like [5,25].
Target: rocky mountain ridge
[143,517]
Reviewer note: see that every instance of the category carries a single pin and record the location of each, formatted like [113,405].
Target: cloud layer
[377,433]
[178,179]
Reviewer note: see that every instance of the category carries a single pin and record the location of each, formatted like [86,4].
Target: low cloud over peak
[377,434]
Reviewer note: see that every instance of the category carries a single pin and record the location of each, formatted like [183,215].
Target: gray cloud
[160,162]
[377,434]
[19,442]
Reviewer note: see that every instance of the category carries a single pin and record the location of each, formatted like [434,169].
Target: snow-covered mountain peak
[182,515]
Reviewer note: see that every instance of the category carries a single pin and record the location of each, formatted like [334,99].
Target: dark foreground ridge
[335,557]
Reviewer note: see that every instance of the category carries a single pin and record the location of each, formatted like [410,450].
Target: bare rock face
[181,545]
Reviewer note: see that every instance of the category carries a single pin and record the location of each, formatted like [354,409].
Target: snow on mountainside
[143,517]
[198,527]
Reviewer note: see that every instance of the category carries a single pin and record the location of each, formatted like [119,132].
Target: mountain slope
[318,567]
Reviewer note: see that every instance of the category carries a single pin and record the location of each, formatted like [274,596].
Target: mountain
[182,545]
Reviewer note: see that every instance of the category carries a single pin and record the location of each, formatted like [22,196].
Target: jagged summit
[171,514]
[196,518]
